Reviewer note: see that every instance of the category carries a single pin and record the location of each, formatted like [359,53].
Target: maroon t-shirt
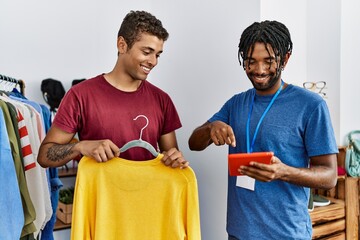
[97,110]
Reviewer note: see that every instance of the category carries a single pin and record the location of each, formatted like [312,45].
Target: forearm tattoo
[58,152]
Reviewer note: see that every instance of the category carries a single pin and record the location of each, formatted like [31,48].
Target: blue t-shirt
[296,127]
[11,208]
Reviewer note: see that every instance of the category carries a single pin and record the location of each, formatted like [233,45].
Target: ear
[286,59]
[121,45]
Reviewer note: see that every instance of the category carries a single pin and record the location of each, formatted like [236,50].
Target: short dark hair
[138,22]
[268,32]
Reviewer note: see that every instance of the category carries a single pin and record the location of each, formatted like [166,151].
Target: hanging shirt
[129,200]
[28,207]
[36,179]
[12,215]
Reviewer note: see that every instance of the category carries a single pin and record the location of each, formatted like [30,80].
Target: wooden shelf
[70,172]
[328,220]
[334,211]
[59,225]
[340,219]
[337,236]
[63,172]
[330,230]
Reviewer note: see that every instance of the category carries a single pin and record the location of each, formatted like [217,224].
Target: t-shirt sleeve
[319,136]
[67,117]
[171,117]
[223,114]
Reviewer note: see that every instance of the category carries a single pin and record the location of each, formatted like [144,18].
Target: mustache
[261,75]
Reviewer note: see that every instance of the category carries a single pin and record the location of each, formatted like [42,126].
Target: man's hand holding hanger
[174,158]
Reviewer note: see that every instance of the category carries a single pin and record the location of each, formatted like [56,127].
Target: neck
[122,83]
[272,90]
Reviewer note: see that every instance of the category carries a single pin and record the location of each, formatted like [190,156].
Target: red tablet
[235,160]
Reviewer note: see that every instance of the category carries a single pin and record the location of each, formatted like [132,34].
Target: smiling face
[263,69]
[142,57]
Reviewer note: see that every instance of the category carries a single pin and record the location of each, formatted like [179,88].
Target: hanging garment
[27,107]
[127,200]
[25,128]
[28,207]
[36,179]
[12,215]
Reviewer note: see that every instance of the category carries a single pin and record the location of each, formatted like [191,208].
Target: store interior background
[68,40]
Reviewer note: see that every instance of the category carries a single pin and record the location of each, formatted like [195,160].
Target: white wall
[323,62]
[349,63]
[68,40]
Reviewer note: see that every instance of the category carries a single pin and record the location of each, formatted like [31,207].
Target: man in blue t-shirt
[270,201]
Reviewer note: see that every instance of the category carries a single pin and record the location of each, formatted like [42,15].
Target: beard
[265,86]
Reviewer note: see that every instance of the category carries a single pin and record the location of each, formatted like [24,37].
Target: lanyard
[249,150]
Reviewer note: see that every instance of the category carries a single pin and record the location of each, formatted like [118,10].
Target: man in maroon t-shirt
[105,110]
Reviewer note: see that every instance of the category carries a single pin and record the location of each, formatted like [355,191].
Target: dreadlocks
[271,33]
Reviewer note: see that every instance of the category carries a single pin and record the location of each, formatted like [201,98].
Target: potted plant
[65,205]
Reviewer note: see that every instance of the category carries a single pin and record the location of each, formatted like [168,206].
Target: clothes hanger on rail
[7,86]
[11,83]
[139,142]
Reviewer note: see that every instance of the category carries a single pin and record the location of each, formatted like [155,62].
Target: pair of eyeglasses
[318,85]
[313,86]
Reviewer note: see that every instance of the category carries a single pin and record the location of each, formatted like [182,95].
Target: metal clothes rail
[15,81]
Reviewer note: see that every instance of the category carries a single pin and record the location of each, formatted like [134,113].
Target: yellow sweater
[135,200]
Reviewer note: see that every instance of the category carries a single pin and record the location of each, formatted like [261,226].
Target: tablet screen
[235,160]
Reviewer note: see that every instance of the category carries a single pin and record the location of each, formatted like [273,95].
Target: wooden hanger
[140,142]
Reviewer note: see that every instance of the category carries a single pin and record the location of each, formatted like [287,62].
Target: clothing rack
[15,81]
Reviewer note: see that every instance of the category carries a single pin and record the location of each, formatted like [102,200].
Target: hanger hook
[147,123]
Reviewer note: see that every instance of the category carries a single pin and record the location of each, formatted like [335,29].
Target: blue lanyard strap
[249,150]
